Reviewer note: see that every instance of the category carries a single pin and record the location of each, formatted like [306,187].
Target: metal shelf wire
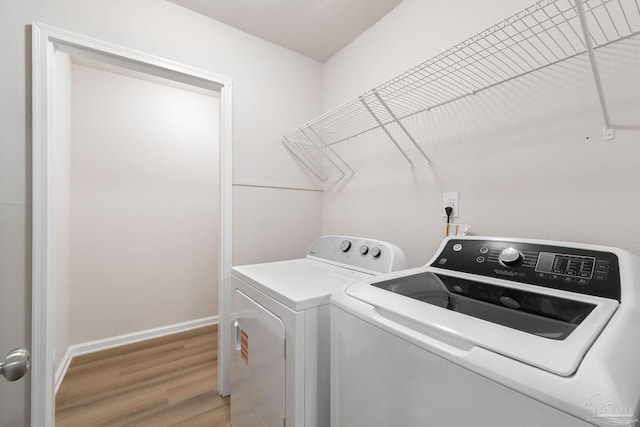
[543,34]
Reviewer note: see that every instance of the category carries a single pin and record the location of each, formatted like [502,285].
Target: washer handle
[431,334]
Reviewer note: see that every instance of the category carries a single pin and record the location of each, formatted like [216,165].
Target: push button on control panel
[602,269]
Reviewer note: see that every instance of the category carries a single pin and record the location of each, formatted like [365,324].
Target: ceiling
[314,28]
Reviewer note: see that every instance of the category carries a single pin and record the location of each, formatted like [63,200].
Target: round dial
[345,245]
[364,249]
[510,256]
[375,252]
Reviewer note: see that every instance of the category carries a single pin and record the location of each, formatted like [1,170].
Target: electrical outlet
[450,199]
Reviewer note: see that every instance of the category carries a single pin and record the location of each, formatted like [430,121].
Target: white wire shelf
[543,34]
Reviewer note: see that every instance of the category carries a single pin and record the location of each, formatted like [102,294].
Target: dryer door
[257,365]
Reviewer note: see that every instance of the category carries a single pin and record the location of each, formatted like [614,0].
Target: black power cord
[448,211]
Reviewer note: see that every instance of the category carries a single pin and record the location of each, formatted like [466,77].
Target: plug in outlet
[450,199]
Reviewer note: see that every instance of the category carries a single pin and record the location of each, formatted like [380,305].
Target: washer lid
[299,284]
[546,328]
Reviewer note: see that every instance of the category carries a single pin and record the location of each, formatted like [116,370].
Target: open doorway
[135,197]
[116,210]
[136,203]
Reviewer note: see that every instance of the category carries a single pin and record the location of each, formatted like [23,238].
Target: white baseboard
[62,369]
[103,344]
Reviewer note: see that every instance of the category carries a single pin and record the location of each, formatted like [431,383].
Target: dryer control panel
[357,253]
[571,269]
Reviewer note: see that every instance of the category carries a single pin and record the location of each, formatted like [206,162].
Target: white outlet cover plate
[447,198]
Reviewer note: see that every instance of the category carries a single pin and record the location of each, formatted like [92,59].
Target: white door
[14,391]
[257,365]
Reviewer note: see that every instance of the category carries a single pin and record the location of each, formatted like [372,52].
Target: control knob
[345,245]
[376,252]
[364,249]
[510,256]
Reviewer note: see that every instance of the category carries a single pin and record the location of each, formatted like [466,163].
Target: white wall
[263,234]
[145,204]
[527,157]
[274,90]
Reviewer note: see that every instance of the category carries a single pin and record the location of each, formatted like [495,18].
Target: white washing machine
[492,332]
[280,329]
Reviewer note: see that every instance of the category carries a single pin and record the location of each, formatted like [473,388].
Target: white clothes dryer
[491,332]
[280,329]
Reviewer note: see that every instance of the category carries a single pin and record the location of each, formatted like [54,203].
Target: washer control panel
[571,269]
[359,253]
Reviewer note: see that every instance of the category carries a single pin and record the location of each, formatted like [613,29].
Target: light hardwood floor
[167,381]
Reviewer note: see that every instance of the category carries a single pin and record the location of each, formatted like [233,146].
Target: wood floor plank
[218,417]
[111,359]
[113,410]
[192,388]
[199,340]
[168,358]
[87,385]
[174,366]
[178,412]
[79,396]
[155,342]
[169,380]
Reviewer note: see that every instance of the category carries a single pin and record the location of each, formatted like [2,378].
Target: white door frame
[45,41]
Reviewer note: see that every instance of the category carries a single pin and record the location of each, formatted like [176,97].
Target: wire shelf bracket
[301,154]
[323,147]
[384,128]
[608,133]
[404,129]
[541,35]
